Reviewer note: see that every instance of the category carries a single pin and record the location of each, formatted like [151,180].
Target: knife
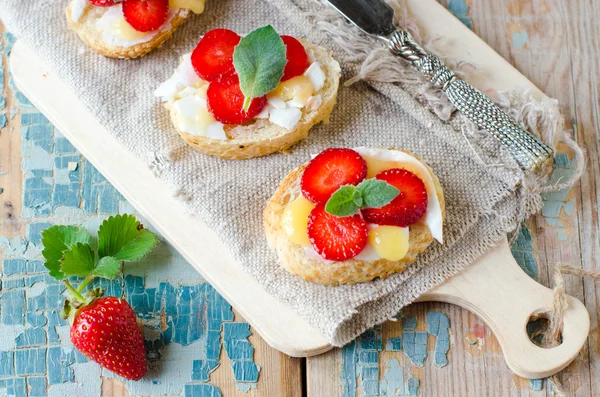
[376,18]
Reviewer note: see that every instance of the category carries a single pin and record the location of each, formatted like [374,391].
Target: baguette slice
[294,258]
[86,29]
[260,137]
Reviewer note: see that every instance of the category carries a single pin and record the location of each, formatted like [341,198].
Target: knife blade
[376,18]
[372,17]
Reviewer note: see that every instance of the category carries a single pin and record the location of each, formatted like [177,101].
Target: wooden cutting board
[494,287]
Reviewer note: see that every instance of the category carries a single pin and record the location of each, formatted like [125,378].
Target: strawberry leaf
[78,261]
[58,239]
[107,267]
[259,60]
[124,238]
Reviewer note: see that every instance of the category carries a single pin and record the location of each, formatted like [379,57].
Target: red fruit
[106,331]
[408,207]
[297,59]
[146,15]
[336,238]
[104,3]
[331,169]
[213,56]
[225,101]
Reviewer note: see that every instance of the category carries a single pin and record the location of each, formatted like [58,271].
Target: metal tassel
[529,151]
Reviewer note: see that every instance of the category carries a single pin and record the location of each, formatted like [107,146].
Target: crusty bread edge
[280,139]
[293,258]
[93,40]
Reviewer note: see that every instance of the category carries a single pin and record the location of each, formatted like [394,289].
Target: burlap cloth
[486,193]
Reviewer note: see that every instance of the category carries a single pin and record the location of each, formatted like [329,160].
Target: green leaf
[343,202]
[377,193]
[124,238]
[56,240]
[107,267]
[78,260]
[259,60]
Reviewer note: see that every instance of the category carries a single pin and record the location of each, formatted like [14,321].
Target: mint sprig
[69,253]
[370,193]
[259,60]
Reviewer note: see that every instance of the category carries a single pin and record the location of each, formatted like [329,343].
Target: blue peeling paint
[7,363]
[438,325]
[536,384]
[31,337]
[394,344]
[520,39]
[348,376]
[415,342]
[241,353]
[16,387]
[460,9]
[554,202]
[37,386]
[13,266]
[522,251]
[13,307]
[30,361]
[392,383]
[203,390]
[412,386]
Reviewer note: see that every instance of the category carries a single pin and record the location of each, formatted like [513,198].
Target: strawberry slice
[408,207]
[146,15]
[329,170]
[225,101]
[336,238]
[297,59]
[104,3]
[213,56]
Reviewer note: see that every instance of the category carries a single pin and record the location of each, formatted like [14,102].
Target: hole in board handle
[538,330]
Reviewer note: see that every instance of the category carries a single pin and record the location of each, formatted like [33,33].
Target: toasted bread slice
[260,137]
[293,257]
[87,31]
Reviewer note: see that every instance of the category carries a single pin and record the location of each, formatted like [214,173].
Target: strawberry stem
[85,283]
[73,291]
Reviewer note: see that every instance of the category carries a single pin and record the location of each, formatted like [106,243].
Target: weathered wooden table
[206,348]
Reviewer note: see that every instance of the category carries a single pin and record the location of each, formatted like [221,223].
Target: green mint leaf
[56,240]
[259,60]
[78,260]
[107,267]
[124,238]
[377,193]
[357,197]
[343,202]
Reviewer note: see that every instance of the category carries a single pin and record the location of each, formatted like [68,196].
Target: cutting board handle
[497,290]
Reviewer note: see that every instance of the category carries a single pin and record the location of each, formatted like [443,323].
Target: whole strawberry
[106,331]
[103,329]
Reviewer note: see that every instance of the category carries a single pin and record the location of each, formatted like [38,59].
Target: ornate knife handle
[529,151]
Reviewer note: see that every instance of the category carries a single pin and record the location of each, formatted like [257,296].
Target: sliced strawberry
[336,238]
[408,207]
[297,59]
[329,170]
[105,3]
[213,56]
[146,15]
[225,101]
